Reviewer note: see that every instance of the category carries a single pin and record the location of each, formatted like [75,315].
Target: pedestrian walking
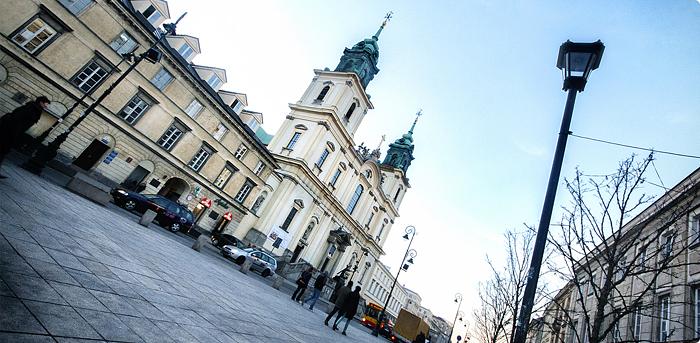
[318,287]
[302,283]
[349,309]
[420,338]
[340,297]
[17,122]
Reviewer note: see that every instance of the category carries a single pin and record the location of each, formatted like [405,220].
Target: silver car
[262,261]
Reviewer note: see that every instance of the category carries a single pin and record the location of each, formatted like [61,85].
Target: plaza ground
[73,271]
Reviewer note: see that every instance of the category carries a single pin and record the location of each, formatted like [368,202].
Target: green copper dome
[363,57]
[400,154]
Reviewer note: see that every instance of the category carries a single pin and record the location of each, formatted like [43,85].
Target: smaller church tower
[400,152]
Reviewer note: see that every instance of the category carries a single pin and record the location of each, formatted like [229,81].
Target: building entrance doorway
[174,188]
[136,177]
[91,155]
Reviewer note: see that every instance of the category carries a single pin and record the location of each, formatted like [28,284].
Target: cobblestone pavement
[74,271]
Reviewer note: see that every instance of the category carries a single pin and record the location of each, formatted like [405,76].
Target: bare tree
[614,263]
[490,318]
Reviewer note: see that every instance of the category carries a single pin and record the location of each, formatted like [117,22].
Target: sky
[484,73]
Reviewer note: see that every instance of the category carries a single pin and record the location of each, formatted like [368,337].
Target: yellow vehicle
[369,318]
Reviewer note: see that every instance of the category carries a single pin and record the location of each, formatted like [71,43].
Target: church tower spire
[363,57]
[400,152]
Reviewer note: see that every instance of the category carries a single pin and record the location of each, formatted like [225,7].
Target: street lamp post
[45,153]
[405,263]
[458,300]
[365,252]
[576,60]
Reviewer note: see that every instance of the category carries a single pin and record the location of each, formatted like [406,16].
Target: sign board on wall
[279,238]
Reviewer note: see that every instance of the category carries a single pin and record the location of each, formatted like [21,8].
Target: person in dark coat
[340,297]
[420,338]
[15,123]
[349,309]
[302,283]
[318,287]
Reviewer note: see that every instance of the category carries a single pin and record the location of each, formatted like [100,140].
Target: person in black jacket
[15,123]
[318,287]
[340,297]
[302,283]
[349,309]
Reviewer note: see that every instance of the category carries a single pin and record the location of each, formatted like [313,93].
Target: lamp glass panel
[578,62]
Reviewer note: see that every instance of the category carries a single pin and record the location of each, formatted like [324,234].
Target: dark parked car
[219,240]
[169,214]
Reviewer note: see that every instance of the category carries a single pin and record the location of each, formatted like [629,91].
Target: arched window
[350,111]
[258,202]
[355,198]
[323,93]
[398,192]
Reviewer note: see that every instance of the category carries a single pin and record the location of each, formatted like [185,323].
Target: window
[369,221]
[667,247]
[355,198]
[259,168]
[185,50]
[224,176]
[162,79]
[621,269]
[642,257]
[152,14]
[398,192]
[572,332]
[695,229]
[637,330]
[664,317]
[293,141]
[221,130]
[350,111]
[591,285]
[193,109]
[696,311]
[75,6]
[335,177]
[200,158]
[379,234]
[214,81]
[34,35]
[288,220]
[92,74]
[244,191]
[123,43]
[323,93]
[322,159]
[237,106]
[135,108]
[171,136]
[240,152]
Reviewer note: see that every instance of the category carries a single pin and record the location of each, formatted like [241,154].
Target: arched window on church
[351,110]
[258,202]
[398,192]
[323,93]
[355,198]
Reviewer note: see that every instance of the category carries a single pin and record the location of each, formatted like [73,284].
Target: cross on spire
[387,17]
[418,114]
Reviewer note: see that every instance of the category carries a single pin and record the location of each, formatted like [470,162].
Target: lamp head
[577,60]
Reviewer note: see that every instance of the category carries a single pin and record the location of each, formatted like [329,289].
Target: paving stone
[30,250]
[109,326]
[67,260]
[5,290]
[176,332]
[89,281]
[97,268]
[116,303]
[120,287]
[32,288]
[77,296]
[24,338]
[61,320]
[148,331]
[148,310]
[14,316]
[12,262]
[52,271]
[16,232]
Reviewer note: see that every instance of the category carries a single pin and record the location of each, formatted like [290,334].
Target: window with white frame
[123,43]
[694,229]
[237,106]
[220,132]
[171,136]
[135,108]
[369,220]
[294,140]
[224,176]
[334,178]
[162,79]
[152,15]
[214,81]
[637,322]
[201,157]
[193,109]
[696,311]
[75,6]
[288,220]
[322,158]
[185,50]
[259,168]
[244,191]
[666,246]
[664,317]
[91,75]
[642,257]
[355,198]
[240,152]
[35,35]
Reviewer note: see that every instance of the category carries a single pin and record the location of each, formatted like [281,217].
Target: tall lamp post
[576,61]
[458,300]
[407,260]
[45,153]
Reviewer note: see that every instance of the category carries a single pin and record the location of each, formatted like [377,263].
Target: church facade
[336,202]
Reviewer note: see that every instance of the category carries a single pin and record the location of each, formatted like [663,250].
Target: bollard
[199,243]
[277,283]
[245,267]
[147,218]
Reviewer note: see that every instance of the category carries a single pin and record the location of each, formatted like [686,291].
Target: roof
[264,137]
